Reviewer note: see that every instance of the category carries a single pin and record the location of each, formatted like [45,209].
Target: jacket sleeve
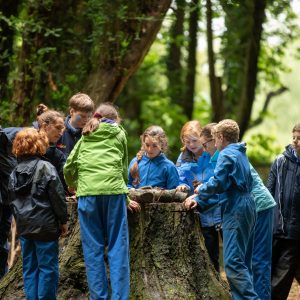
[125,160]
[220,182]
[271,182]
[71,166]
[172,177]
[182,167]
[57,197]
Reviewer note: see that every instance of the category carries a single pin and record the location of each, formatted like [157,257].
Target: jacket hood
[103,132]
[23,174]
[289,154]
[70,128]
[238,146]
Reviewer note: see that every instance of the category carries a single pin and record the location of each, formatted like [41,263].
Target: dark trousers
[285,258]
[211,238]
[5,221]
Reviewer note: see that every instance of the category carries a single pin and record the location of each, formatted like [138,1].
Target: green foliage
[262,149]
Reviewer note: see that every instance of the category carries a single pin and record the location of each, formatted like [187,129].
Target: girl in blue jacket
[196,164]
[151,167]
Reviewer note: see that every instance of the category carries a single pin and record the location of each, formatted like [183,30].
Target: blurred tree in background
[51,49]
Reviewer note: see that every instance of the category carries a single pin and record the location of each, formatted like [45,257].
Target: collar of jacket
[156,160]
[289,153]
[71,129]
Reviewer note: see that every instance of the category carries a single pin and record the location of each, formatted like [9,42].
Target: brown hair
[81,102]
[296,127]
[105,110]
[154,132]
[49,116]
[190,128]
[230,130]
[29,141]
[207,130]
[41,108]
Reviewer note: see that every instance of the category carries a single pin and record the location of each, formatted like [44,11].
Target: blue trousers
[262,254]
[5,221]
[103,220]
[40,269]
[238,237]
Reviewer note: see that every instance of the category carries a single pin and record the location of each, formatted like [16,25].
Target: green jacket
[98,163]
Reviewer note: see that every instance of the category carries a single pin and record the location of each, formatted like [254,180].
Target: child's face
[152,147]
[79,118]
[54,131]
[208,145]
[296,142]
[219,141]
[192,143]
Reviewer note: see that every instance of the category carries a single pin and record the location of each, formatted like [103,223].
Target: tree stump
[168,256]
[168,259]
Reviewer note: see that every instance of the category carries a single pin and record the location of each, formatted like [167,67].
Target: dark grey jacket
[284,185]
[37,199]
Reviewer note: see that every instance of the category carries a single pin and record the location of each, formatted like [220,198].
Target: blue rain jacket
[201,171]
[156,172]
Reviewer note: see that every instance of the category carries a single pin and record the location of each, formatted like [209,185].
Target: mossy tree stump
[168,259]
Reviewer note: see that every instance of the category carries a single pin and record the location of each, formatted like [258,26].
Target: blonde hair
[41,108]
[81,102]
[191,128]
[296,128]
[105,110]
[230,130]
[29,141]
[153,132]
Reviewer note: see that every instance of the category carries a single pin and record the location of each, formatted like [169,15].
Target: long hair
[47,116]
[154,132]
[105,110]
[191,128]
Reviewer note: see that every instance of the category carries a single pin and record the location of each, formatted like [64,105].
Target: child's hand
[196,191]
[71,190]
[64,230]
[133,206]
[182,188]
[190,202]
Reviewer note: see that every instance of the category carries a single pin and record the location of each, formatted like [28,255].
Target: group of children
[87,154]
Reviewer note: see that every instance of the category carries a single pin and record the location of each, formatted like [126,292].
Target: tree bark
[188,103]
[115,68]
[216,93]
[168,259]
[173,61]
[249,83]
[168,256]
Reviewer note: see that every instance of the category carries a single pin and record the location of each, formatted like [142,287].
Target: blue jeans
[262,254]
[40,269]
[5,221]
[103,220]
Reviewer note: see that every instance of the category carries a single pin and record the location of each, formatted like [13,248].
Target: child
[151,167]
[195,165]
[284,185]
[81,108]
[97,169]
[38,205]
[192,160]
[232,177]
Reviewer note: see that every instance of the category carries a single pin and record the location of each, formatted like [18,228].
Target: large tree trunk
[188,103]
[168,259]
[174,56]
[123,57]
[216,93]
